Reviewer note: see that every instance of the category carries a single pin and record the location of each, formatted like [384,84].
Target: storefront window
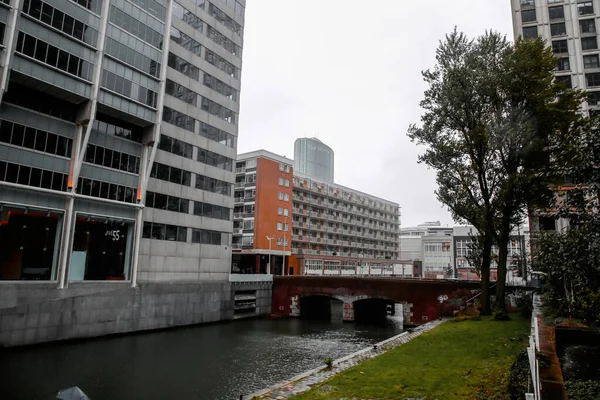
[28,243]
[101,249]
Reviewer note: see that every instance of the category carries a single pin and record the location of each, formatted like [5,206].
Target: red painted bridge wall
[423,294]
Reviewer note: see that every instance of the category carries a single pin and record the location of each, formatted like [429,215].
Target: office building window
[215,160]
[222,64]
[286,197]
[587,26]
[589,43]
[179,119]
[185,41]
[185,15]
[280,196]
[30,176]
[219,86]
[591,61]
[172,233]
[592,79]
[530,32]
[112,159]
[135,27]
[528,16]
[216,135]
[131,57]
[279,226]
[594,98]
[557,12]
[286,212]
[171,174]
[560,46]
[152,7]
[558,29]
[527,2]
[164,202]
[212,211]
[175,146]
[585,8]
[222,41]
[279,211]
[213,185]
[218,110]
[106,190]
[563,64]
[35,139]
[565,80]
[179,64]
[280,181]
[225,19]
[203,236]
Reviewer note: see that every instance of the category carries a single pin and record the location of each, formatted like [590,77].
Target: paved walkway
[308,379]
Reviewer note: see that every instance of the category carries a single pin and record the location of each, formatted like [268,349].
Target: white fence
[534,346]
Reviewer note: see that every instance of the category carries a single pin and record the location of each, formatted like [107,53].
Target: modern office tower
[330,227]
[118,127]
[569,27]
[314,159]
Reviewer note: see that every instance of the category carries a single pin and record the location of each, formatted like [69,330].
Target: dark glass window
[587,26]
[585,8]
[563,64]
[132,57]
[152,7]
[213,185]
[183,14]
[185,41]
[175,146]
[203,236]
[179,64]
[592,79]
[222,64]
[217,135]
[225,19]
[594,98]
[30,176]
[591,61]
[135,27]
[530,32]
[181,92]
[528,15]
[589,43]
[558,29]
[560,46]
[222,41]
[217,85]
[557,12]
[178,119]
[566,80]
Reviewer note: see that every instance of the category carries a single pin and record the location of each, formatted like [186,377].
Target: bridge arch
[320,307]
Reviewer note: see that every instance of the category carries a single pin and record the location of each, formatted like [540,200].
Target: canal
[212,362]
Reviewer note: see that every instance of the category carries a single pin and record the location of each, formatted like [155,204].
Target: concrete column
[337,311]
[10,33]
[348,311]
[406,313]
[399,311]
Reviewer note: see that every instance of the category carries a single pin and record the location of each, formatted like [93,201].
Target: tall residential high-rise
[569,27]
[314,158]
[118,131]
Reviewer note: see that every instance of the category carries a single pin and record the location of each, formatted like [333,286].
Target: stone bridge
[420,300]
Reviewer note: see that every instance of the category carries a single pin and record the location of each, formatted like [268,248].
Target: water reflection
[217,362]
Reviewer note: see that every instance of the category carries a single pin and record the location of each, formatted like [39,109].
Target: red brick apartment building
[285,221]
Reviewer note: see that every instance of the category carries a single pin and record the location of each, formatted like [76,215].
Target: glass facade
[314,158]
[79,134]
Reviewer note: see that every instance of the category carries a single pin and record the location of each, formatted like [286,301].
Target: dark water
[217,362]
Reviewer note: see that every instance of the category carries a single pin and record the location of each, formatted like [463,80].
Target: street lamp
[269,268]
[284,242]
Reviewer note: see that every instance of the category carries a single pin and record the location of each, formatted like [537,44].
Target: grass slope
[457,360]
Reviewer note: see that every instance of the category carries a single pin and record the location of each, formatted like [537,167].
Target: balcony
[237,215]
[240,170]
[239,185]
[297,224]
[250,184]
[238,200]
[236,246]
[249,198]
[238,231]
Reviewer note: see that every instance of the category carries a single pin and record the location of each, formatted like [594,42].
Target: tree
[489,112]
[459,104]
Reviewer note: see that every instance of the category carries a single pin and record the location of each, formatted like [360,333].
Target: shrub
[501,315]
[583,390]
[461,318]
[328,362]
[518,376]
[525,306]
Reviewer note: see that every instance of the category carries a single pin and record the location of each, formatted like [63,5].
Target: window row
[107,128]
[222,41]
[283,196]
[185,41]
[284,168]
[173,233]
[284,182]
[29,176]
[203,236]
[171,174]
[282,227]
[135,27]
[560,29]
[39,102]
[213,185]
[219,111]
[283,211]
[176,146]
[124,86]
[222,64]
[188,123]
[212,211]
[225,19]
[35,139]
[186,68]
[105,190]
[170,203]
[557,12]
[236,6]
[587,43]
[112,159]
[93,5]
[589,61]
[191,71]
[215,160]
[185,15]
[61,21]
[152,7]
[129,56]
[181,92]
[51,55]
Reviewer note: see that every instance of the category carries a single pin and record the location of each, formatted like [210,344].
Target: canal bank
[206,362]
[39,312]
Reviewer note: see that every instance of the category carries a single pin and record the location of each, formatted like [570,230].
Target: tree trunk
[485,275]
[501,282]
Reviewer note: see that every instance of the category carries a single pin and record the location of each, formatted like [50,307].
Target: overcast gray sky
[349,72]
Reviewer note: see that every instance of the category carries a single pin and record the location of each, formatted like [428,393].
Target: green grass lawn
[456,360]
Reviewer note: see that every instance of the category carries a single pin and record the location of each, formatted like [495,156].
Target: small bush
[525,306]
[328,362]
[461,318]
[518,378]
[543,360]
[501,315]
[583,390]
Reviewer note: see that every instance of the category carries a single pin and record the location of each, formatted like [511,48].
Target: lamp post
[284,243]
[269,263]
